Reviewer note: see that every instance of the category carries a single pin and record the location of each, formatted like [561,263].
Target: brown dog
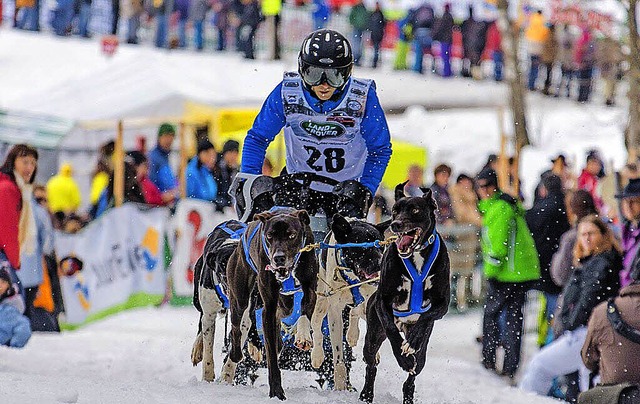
[269,256]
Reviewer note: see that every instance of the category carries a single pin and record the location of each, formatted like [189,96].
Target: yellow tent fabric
[233,123]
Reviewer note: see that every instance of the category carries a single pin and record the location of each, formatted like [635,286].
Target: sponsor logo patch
[355,105]
[322,129]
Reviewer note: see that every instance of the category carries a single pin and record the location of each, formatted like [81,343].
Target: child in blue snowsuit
[15,328]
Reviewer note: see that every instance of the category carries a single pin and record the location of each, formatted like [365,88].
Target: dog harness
[358,299]
[289,285]
[233,234]
[418,278]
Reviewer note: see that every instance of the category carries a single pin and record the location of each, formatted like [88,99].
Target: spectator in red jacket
[18,167]
[150,191]
[588,179]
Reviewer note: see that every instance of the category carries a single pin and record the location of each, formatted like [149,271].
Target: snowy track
[143,356]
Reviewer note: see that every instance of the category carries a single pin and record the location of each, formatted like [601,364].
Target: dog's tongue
[404,243]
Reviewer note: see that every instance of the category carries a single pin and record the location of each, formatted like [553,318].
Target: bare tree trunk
[632,135]
[509,33]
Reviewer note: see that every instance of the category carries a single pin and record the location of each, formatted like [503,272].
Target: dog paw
[317,357]
[303,344]
[353,334]
[277,391]
[228,372]
[208,373]
[366,396]
[254,352]
[196,351]
[407,349]
[407,363]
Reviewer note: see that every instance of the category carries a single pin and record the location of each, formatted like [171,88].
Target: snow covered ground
[143,356]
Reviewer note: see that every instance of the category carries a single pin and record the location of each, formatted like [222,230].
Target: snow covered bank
[143,356]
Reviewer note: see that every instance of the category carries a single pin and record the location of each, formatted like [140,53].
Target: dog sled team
[301,258]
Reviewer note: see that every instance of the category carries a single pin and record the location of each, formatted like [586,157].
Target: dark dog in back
[413,291]
[269,257]
[209,290]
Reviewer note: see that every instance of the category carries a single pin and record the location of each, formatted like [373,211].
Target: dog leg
[271,338]
[211,305]
[196,351]
[303,334]
[238,322]
[353,331]
[408,389]
[336,335]
[373,339]
[317,353]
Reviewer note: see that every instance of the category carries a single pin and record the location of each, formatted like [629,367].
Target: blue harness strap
[358,299]
[288,321]
[246,243]
[223,296]
[234,234]
[417,279]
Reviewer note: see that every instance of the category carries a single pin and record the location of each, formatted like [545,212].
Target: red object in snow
[109,44]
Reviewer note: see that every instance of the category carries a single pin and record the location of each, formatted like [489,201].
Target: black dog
[413,291]
[269,256]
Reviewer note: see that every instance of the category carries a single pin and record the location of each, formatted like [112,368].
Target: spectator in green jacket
[510,266]
[359,20]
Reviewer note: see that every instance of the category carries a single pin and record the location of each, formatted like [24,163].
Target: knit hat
[488,175]
[204,145]
[230,145]
[4,275]
[166,129]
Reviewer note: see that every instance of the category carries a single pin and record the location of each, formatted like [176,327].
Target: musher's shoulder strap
[619,325]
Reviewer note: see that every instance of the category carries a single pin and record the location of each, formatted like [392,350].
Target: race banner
[113,264]
[192,222]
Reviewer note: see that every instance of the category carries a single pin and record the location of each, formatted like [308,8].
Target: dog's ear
[428,195]
[383,226]
[340,225]
[264,216]
[303,216]
[399,191]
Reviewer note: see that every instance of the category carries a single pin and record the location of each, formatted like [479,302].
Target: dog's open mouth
[281,273]
[407,241]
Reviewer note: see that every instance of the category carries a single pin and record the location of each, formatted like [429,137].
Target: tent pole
[503,165]
[118,168]
[183,161]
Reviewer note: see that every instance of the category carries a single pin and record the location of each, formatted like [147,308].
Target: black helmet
[354,199]
[325,55]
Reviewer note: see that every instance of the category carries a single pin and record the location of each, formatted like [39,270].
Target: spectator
[580,205]
[163,10]
[84,17]
[222,9]
[584,61]
[377,23]
[609,56]
[547,220]
[101,174]
[151,193]
[630,209]
[464,202]
[537,34]
[30,15]
[200,181]
[606,351]
[225,172]
[589,178]
[320,13]
[595,279]
[182,8]
[474,35]
[404,39]
[62,16]
[494,47]
[16,228]
[31,272]
[422,22]
[444,214]
[115,16]
[132,191]
[549,54]
[15,329]
[131,11]
[415,184]
[159,169]
[197,14]
[565,57]
[359,20]
[63,192]
[510,267]
[249,21]
[443,33]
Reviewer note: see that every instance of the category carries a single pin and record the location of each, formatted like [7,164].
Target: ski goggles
[335,76]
